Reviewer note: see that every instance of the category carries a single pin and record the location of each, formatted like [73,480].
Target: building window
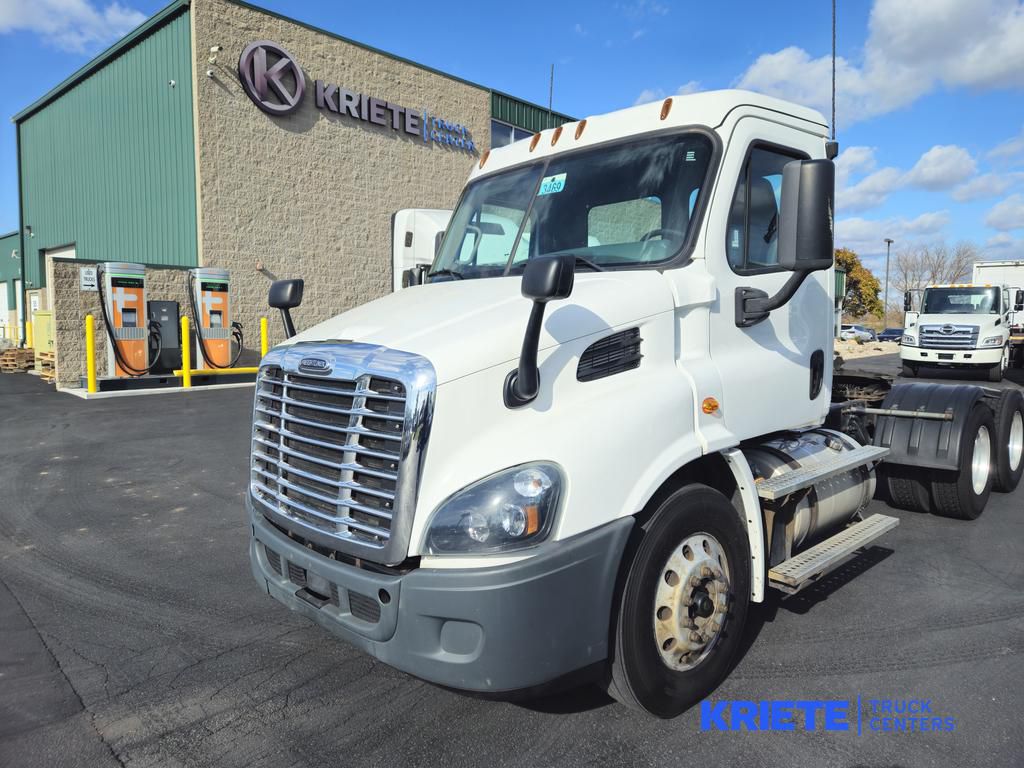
[503,134]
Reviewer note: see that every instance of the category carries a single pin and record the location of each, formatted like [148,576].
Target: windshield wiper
[587,262]
[446,273]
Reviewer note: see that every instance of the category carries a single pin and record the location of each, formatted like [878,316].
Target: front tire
[964,492]
[684,602]
[909,370]
[997,371]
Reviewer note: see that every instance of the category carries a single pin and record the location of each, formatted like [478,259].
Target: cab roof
[710,109]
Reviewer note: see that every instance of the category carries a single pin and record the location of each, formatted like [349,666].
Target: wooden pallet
[46,367]
[16,360]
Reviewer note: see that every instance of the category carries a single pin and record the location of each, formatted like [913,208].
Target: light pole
[885,301]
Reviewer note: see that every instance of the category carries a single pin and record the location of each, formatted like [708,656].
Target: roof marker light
[484,156]
[666,106]
[579,128]
[533,141]
[556,135]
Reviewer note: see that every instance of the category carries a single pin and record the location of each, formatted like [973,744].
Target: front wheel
[997,371]
[909,370]
[683,605]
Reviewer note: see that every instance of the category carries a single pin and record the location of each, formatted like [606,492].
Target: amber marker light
[710,405]
[484,156]
[666,107]
[533,141]
[556,135]
[580,128]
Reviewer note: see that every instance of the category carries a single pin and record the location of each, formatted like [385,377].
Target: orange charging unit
[124,292]
[212,310]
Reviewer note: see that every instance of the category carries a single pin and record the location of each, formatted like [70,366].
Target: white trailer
[1008,273]
[495,494]
[415,237]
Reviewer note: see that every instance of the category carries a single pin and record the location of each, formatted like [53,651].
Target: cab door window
[752,235]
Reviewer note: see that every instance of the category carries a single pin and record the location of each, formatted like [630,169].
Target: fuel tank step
[800,570]
[785,484]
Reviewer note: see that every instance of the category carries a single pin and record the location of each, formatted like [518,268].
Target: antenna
[551,92]
[833,70]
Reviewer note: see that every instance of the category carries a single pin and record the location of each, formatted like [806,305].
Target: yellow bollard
[28,334]
[186,354]
[90,352]
[264,344]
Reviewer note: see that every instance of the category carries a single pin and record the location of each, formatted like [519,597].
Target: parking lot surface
[132,633]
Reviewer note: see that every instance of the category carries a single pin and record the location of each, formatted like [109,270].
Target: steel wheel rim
[981,461]
[1015,446]
[694,579]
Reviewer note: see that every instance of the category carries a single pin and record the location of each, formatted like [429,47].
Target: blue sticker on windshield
[550,185]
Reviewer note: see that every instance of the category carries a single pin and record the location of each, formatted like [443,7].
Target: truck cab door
[775,374]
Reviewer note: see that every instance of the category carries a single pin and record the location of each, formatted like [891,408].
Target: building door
[5,309]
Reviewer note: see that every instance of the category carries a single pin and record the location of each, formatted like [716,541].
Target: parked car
[891,334]
[856,333]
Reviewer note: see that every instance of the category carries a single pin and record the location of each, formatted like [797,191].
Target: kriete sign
[275,82]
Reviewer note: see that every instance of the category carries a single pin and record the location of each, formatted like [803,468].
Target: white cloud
[1004,246]
[1007,214]
[638,33]
[913,47]
[867,236]
[1011,150]
[869,192]
[648,95]
[980,187]
[77,26]
[941,167]
[854,160]
[580,30]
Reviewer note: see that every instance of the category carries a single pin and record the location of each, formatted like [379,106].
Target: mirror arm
[523,383]
[289,326]
[754,305]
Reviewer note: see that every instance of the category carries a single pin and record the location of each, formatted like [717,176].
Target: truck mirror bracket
[754,305]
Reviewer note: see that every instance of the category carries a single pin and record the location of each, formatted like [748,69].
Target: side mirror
[544,279]
[286,295]
[438,239]
[1018,300]
[414,275]
[806,241]
[908,302]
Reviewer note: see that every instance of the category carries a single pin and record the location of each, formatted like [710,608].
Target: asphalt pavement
[132,633]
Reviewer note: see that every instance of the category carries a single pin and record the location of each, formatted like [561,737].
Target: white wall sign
[87,278]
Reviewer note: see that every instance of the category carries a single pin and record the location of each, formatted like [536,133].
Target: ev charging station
[211,309]
[124,295]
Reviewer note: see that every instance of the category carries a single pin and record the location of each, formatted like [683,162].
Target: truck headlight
[909,340]
[993,341]
[509,510]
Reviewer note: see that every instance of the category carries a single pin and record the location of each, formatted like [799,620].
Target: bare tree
[917,268]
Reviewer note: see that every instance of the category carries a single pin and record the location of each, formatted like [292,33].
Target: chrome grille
[949,336]
[335,455]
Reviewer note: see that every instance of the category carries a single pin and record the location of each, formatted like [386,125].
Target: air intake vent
[612,354]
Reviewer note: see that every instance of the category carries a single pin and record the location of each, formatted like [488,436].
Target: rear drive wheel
[908,488]
[1009,440]
[684,601]
[909,370]
[964,492]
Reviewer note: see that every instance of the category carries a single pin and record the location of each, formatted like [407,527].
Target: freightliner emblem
[314,365]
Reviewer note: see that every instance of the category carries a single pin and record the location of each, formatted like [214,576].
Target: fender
[752,517]
[926,443]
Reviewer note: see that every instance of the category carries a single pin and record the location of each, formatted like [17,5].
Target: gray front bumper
[483,629]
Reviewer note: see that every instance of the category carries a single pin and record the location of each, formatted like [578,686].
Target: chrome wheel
[1015,446]
[981,461]
[691,605]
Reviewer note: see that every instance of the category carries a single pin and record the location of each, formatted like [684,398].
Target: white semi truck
[583,450]
[975,325]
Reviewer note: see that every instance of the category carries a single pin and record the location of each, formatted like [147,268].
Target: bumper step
[809,566]
[790,482]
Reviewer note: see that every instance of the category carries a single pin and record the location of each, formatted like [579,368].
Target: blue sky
[930,117]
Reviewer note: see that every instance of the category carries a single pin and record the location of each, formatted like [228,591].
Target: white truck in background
[973,325]
[583,448]
[415,237]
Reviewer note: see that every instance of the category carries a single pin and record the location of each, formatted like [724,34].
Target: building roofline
[393,56]
[141,32]
[9,234]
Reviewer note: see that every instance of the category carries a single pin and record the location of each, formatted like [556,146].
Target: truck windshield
[961,301]
[618,206]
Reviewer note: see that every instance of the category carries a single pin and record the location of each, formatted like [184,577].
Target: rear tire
[909,488]
[963,493]
[1009,419]
[909,371]
[666,653]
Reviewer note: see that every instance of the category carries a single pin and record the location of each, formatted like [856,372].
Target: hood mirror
[286,295]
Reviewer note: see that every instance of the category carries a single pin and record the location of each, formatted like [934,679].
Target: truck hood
[982,321]
[465,326]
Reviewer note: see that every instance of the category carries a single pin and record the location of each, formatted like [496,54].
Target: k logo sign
[271,78]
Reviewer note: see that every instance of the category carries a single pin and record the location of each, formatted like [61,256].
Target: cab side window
[752,235]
